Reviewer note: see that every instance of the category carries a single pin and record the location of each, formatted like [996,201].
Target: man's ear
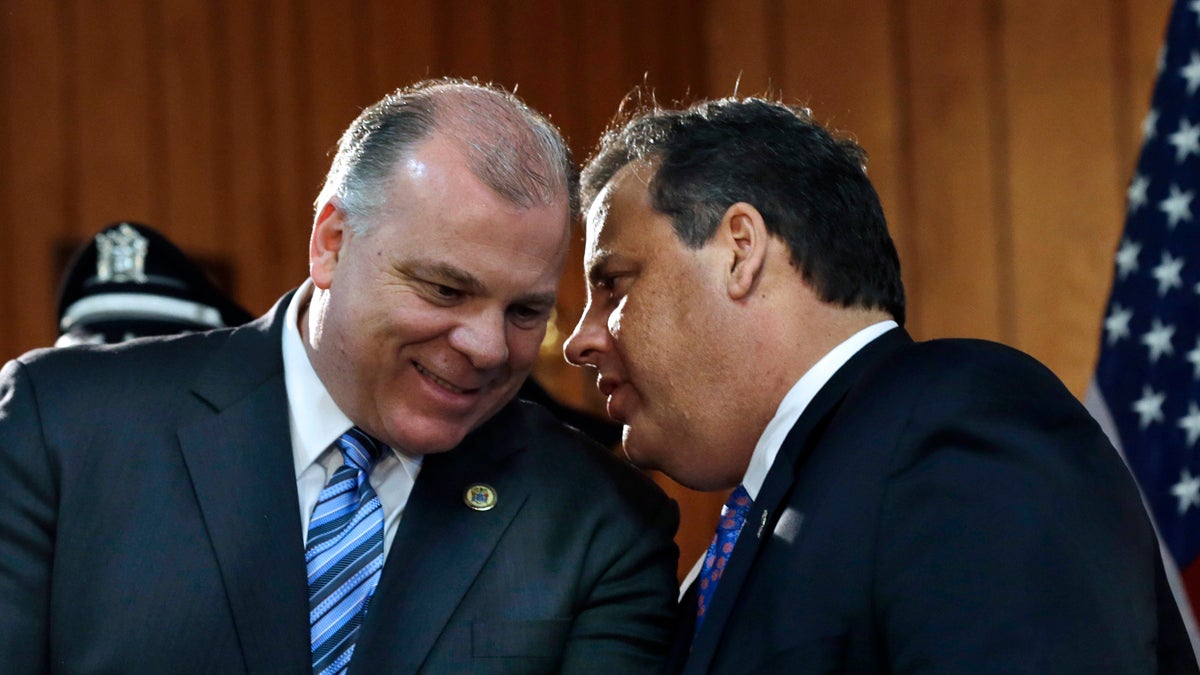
[742,229]
[329,234]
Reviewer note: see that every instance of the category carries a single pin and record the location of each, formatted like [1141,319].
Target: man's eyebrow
[539,300]
[596,265]
[441,272]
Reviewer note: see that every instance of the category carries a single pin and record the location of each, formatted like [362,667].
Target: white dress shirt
[316,422]
[789,411]
[798,398]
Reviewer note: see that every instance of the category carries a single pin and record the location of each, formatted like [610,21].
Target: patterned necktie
[733,516]
[344,553]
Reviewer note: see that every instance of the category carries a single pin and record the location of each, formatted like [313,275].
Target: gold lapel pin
[480,497]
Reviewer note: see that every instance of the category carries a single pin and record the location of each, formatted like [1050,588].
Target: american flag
[1146,391]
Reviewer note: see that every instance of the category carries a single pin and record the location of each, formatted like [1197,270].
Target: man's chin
[428,441]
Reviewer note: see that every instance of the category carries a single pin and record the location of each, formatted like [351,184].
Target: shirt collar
[315,420]
[798,398]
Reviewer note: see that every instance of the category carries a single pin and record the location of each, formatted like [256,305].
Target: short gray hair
[510,147]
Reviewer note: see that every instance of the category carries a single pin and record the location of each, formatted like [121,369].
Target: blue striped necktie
[344,553]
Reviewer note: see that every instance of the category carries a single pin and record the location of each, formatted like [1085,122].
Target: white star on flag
[1149,406]
[1186,139]
[1159,340]
[1193,357]
[1136,194]
[1168,273]
[1150,329]
[1117,323]
[1127,257]
[1191,73]
[1150,125]
[1187,490]
[1177,206]
[1191,424]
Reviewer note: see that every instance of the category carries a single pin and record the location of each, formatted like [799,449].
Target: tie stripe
[344,554]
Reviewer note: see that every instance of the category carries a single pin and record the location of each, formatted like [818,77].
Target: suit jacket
[149,522]
[942,507]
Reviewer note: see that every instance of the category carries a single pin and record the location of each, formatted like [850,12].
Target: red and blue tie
[733,516]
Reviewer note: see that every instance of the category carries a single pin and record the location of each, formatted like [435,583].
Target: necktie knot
[359,450]
[733,514]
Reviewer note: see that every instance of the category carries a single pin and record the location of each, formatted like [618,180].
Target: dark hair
[811,188]
[510,147]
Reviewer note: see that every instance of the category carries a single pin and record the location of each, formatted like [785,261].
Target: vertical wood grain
[400,44]
[185,159]
[294,152]
[744,45]
[35,74]
[951,173]
[116,112]
[839,60]
[1064,177]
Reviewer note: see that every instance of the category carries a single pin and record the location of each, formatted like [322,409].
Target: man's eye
[445,292]
[527,315]
[606,283]
[616,284]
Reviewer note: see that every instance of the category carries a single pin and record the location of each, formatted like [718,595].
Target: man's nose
[483,340]
[589,339]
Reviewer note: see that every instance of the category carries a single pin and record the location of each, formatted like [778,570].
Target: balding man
[347,481]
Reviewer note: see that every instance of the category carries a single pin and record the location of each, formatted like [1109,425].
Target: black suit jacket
[943,507]
[149,522]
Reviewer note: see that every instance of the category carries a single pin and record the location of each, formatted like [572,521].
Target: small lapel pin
[762,524]
[480,497]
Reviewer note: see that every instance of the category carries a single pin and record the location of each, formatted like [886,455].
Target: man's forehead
[626,190]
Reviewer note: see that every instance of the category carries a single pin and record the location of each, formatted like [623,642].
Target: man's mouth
[439,381]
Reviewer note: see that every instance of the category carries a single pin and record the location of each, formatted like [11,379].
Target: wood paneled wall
[1002,132]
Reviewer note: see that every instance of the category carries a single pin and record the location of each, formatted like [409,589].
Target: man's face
[656,333]
[427,323]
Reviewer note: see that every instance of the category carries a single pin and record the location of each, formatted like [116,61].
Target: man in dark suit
[346,481]
[900,507]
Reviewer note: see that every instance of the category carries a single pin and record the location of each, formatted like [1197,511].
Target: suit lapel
[441,545]
[763,516]
[240,462]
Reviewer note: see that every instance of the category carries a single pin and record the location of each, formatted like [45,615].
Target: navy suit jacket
[149,522]
[942,507]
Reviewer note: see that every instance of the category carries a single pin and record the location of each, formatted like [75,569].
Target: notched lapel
[440,547]
[764,517]
[240,462]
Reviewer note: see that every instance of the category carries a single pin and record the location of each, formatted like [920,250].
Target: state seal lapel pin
[480,497]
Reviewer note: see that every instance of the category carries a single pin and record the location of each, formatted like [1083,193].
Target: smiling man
[346,482]
[896,506]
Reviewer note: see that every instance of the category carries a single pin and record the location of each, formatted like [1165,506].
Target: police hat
[130,281]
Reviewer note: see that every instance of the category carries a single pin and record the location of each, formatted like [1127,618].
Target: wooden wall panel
[1064,177]
[467,39]
[294,153]
[400,44]
[952,272]
[117,111]
[35,178]
[246,160]
[184,179]
[839,59]
[742,51]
